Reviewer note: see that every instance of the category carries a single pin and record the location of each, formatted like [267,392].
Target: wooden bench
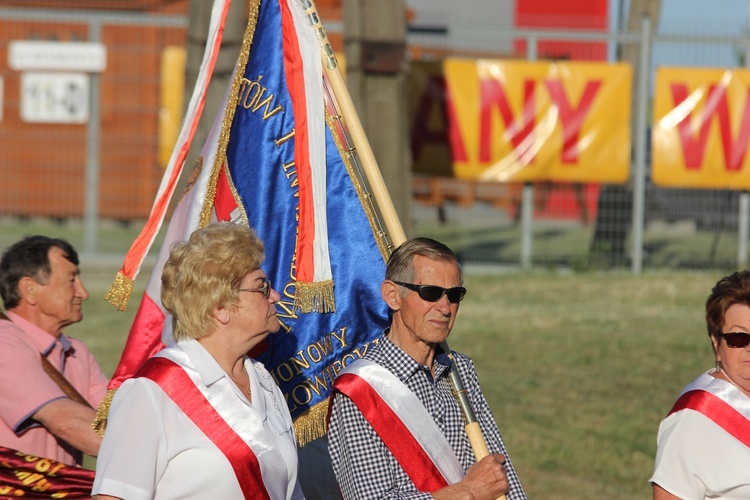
[435,191]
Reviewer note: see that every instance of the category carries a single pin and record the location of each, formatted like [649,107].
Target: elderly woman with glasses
[201,419]
[704,443]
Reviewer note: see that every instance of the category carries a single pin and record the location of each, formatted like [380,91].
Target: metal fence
[93,180]
[635,226]
[80,130]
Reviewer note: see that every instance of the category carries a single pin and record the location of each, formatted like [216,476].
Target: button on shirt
[25,387]
[365,468]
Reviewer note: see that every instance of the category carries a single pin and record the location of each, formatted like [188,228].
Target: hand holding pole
[473,430]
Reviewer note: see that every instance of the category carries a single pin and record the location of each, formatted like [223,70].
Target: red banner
[28,476]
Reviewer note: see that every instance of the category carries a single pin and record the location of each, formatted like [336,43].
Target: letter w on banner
[274,160]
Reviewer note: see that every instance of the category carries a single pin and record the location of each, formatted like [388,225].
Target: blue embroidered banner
[262,159]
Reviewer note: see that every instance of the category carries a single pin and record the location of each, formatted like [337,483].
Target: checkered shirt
[365,468]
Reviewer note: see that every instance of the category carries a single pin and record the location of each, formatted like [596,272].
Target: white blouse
[151,449]
[696,458]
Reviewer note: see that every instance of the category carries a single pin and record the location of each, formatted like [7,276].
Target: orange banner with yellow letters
[514,121]
[701,128]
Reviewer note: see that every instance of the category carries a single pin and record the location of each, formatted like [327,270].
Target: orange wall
[42,166]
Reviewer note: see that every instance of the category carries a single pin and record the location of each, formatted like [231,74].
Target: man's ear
[391,294]
[28,288]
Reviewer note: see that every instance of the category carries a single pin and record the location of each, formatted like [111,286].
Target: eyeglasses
[265,288]
[736,340]
[433,293]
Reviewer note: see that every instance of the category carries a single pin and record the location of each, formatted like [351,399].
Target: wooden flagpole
[473,431]
[354,127]
[382,198]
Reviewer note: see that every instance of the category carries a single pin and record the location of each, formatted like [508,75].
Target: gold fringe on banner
[315,297]
[311,424]
[120,291]
[100,421]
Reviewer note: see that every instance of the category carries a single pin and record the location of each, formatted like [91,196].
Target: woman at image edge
[704,444]
[163,437]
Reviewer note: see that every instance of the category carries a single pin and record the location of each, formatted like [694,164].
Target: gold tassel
[311,424]
[315,297]
[119,292]
[100,421]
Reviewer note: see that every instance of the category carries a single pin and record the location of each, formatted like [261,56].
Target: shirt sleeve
[689,453]
[24,386]
[133,454]
[362,463]
[488,425]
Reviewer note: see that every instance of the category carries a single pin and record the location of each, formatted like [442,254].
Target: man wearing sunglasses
[395,428]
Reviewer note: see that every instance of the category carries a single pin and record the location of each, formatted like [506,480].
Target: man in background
[395,429]
[42,291]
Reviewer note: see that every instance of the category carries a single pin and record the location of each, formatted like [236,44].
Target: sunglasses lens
[430,293]
[737,340]
[456,294]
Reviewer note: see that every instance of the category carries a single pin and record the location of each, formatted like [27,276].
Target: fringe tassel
[315,297]
[120,291]
[100,421]
[311,424]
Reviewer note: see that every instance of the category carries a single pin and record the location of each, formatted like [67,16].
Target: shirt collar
[404,366]
[207,367]
[44,341]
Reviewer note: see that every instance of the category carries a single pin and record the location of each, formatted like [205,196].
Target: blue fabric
[269,196]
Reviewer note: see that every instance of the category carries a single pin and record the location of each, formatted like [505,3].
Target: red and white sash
[240,443]
[403,423]
[721,402]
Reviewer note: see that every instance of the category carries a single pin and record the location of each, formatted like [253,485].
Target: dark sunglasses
[265,288]
[736,340]
[433,293]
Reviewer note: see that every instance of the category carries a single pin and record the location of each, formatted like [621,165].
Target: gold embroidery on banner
[120,291]
[315,297]
[358,187]
[100,421]
[285,138]
[311,424]
[208,202]
[231,107]
[248,88]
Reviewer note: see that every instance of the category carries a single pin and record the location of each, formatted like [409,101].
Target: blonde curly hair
[204,273]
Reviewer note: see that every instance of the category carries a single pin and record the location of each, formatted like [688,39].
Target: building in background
[44,150]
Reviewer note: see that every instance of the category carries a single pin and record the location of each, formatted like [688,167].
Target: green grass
[578,368]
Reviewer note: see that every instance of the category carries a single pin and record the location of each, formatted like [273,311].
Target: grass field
[578,368]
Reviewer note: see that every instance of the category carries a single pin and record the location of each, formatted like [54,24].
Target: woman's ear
[715,343]
[391,294]
[221,313]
